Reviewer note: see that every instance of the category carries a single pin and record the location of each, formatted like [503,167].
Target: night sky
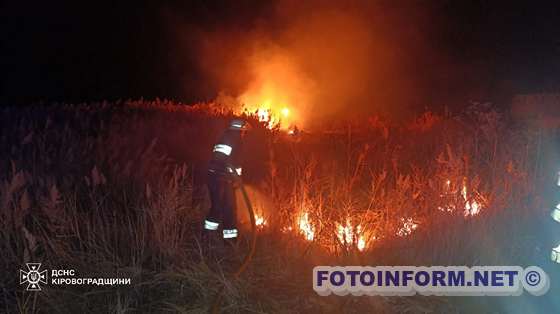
[85,52]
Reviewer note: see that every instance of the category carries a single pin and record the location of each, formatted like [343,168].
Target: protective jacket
[226,154]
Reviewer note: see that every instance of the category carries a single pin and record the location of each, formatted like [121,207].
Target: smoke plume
[321,60]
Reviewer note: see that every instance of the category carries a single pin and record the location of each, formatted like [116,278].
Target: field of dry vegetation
[117,189]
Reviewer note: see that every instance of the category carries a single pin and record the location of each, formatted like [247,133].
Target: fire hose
[218,299]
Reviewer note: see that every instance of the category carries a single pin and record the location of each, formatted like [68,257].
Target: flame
[279,92]
[349,235]
[361,243]
[464,191]
[271,117]
[260,222]
[345,234]
[305,227]
[472,207]
[353,235]
[265,115]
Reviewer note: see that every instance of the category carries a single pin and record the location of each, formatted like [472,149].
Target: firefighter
[555,255]
[224,174]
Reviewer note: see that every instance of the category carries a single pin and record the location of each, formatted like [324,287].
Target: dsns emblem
[33,276]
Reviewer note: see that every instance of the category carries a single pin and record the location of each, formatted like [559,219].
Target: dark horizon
[80,53]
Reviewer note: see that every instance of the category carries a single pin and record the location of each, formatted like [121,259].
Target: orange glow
[278,93]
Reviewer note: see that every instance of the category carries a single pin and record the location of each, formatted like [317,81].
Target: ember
[408,226]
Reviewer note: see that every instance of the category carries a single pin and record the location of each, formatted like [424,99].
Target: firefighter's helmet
[239,125]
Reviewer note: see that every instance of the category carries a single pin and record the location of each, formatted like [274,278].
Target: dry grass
[115,189]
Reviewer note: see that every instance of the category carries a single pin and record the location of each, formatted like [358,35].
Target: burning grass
[120,188]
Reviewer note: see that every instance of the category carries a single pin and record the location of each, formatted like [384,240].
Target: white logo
[33,276]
